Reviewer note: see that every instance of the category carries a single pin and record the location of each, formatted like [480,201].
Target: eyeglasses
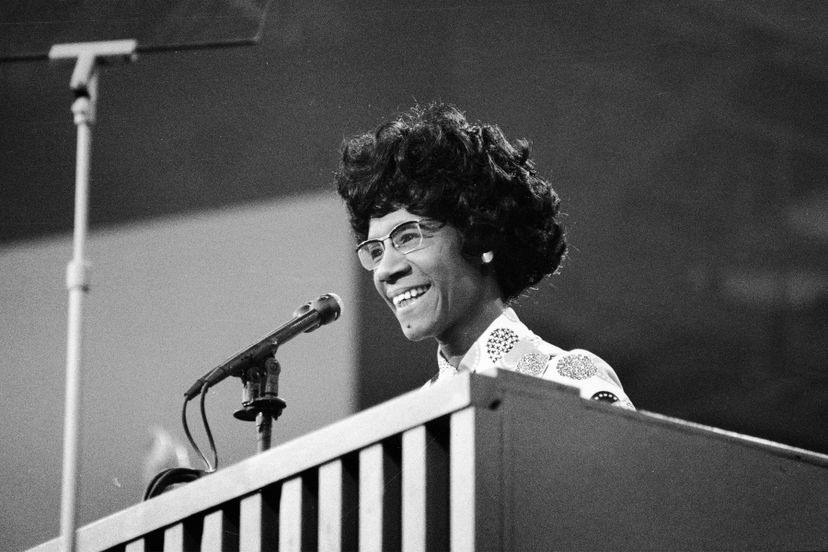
[405,238]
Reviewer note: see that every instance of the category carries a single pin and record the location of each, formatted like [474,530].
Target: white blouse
[509,345]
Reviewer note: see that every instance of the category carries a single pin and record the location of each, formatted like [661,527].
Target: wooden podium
[499,462]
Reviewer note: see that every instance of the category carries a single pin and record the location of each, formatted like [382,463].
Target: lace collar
[507,344]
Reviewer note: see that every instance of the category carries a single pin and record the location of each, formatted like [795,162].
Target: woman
[455,223]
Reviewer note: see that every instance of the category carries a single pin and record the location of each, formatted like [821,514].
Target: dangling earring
[487,257]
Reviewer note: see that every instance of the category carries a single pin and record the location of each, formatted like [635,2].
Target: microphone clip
[260,392]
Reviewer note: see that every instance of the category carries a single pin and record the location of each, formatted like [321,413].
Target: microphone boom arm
[307,318]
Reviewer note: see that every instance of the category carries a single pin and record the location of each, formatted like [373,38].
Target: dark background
[687,139]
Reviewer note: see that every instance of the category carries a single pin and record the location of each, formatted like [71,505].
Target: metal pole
[264,427]
[84,83]
[77,282]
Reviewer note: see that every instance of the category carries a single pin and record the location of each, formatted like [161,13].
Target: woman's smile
[406,299]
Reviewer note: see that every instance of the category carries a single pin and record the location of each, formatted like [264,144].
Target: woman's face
[433,291]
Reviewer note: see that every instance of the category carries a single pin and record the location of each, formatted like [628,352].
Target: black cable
[190,436]
[207,429]
[167,478]
[175,476]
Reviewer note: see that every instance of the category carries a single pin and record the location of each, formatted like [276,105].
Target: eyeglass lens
[405,238]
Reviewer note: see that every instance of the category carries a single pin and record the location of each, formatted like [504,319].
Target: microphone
[305,319]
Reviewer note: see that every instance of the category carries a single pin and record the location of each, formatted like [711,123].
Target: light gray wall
[170,299]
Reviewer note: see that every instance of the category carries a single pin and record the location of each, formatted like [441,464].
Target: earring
[487,257]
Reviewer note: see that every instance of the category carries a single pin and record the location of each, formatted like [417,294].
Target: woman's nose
[392,265]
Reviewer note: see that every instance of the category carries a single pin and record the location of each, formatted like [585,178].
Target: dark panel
[32,27]
[688,144]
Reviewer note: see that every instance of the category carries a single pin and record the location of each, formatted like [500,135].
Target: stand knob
[268,405]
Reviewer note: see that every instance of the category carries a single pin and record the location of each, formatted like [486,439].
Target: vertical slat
[371,488]
[380,491]
[135,546]
[462,481]
[258,522]
[174,538]
[250,523]
[414,490]
[290,516]
[183,536]
[330,506]
[338,496]
[212,535]
[425,487]
[220,529]
[299,513]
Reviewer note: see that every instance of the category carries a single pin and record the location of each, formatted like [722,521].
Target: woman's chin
[414,331]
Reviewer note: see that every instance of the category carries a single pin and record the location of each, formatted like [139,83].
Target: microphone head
[329,307]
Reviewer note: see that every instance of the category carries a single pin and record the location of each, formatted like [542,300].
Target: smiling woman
[454,223]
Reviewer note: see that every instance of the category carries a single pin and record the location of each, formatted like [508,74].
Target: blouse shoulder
[592,375]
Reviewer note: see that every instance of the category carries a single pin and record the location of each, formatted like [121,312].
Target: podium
[492,462]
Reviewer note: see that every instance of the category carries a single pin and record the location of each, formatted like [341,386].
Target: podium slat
[250,523]
[220,532]
[290,516]
[380,489]
[463,477]
[330,506]
[135,546]
[258,521]
[174,538]
[371,490]
[213,535]
[414,490]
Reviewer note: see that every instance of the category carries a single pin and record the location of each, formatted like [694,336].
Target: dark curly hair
[433,163]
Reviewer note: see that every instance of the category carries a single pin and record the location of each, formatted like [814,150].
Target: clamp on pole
[261,402]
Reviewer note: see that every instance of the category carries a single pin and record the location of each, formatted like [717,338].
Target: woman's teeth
[408,296]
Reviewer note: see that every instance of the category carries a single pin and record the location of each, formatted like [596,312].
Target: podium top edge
[489,391]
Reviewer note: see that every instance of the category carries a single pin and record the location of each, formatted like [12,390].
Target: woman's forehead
[381,226]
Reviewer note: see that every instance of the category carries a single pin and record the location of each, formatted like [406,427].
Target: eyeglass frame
[420,245]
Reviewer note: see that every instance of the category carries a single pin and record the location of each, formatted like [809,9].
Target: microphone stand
[260,400]
[84,84]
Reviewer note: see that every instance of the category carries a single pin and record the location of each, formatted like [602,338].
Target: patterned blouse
[509,345]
